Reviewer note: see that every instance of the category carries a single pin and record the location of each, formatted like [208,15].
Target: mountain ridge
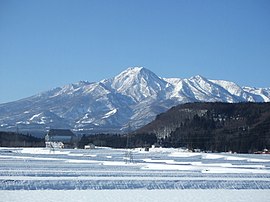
[127,101]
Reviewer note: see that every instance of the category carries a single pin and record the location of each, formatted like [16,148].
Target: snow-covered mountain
[130,99]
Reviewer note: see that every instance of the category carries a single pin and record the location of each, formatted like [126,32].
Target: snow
[258,94]
[212,156]
[234,158]
[105,174]
[43,151]
[35,116]
[137,195]
[183,154]
[231,87]
[110,113]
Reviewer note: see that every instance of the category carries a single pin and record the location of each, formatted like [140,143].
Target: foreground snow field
[106,174]
[190,195]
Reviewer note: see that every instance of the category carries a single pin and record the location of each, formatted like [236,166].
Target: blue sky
[47,44]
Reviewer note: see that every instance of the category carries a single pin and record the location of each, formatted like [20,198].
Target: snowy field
[104,174]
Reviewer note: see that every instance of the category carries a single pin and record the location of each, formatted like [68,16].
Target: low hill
[237,127]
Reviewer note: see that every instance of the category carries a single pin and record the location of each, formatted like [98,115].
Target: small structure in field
[89,146]
[61,138]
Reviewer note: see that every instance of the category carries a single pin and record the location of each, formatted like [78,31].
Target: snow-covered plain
[104,174]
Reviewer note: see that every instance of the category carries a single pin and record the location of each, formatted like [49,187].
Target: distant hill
[237,127]
[10,139]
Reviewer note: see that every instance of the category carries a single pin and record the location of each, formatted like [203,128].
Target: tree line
[11,139]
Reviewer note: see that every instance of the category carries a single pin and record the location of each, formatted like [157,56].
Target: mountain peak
[198,78]
[134,71]
[138,83]
[132,76]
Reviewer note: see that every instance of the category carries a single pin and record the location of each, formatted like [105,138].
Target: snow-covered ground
[105,174]
[191,195]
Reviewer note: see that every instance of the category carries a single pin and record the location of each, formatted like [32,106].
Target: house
[61,138]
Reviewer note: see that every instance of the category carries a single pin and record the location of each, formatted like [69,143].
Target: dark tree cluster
[10,139]
[118,140]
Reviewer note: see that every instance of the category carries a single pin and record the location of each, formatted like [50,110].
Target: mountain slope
[128,100]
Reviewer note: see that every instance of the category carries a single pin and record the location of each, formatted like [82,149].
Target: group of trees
[119,140]
[11,139]
[207,134]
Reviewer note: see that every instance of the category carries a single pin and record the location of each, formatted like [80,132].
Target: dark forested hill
[238,127]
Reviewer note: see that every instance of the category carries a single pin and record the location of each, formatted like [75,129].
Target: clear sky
[50,43]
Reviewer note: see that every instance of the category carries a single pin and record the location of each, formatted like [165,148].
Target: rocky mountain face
[125,102]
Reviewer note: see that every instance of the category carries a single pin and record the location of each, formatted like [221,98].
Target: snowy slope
[130,99]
